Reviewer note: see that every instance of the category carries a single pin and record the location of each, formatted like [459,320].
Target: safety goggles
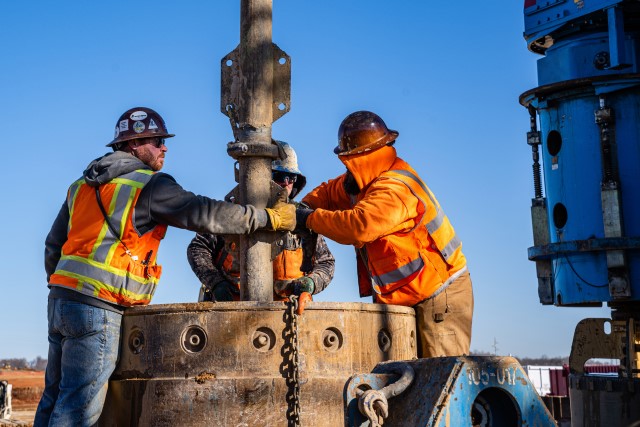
[284,177]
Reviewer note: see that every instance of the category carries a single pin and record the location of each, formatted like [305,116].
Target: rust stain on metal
[204,376]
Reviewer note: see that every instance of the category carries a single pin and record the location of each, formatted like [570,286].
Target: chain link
[292,360]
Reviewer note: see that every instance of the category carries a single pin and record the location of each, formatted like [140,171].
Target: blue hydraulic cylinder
[588,108]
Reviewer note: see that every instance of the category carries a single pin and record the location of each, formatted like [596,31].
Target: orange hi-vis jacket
[118,269]
[407,249]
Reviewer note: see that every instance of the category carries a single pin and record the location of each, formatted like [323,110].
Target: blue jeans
[84,344]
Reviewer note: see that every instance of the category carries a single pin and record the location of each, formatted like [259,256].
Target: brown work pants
[444,322]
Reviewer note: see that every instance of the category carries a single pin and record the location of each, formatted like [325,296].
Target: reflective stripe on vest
[447,249]
[71,199]
[132,277]
[431,240]
[103,277]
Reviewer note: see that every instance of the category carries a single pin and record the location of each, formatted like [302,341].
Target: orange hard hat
[363,131]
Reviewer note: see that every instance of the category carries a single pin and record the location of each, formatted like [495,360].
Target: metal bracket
[232,81]
[552,250]
[617,52]
[541,236]
[453,391]
[591,341]
[611,198]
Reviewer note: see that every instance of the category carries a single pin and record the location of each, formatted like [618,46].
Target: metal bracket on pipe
[232,80]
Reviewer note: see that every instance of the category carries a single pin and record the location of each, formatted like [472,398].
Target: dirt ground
[25,394]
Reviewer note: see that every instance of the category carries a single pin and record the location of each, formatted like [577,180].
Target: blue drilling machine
[586,222]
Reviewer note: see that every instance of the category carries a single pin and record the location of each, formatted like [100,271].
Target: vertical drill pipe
[256,65]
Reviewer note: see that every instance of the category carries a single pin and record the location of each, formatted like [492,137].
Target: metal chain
[292,359]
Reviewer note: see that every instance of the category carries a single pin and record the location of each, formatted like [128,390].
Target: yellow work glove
[282,215]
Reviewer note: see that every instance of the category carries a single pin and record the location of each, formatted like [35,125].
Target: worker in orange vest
[215,261]
[100,258]
[407,250]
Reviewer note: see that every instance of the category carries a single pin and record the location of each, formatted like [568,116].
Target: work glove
[223,291]
[303,284]
[303,288]
[284,288]
[282,215]
[302,213]
[303,299]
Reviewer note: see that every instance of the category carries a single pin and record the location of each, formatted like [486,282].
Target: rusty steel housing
[226,363]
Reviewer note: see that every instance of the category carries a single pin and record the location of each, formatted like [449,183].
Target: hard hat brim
[119,140]
[387,140]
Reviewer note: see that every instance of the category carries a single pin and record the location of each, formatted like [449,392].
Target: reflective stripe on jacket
[408,267]
[119,269]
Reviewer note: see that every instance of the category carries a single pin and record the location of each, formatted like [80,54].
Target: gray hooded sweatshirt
[162,201]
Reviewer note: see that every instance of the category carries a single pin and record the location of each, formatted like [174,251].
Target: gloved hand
[205,294]
[303,284]
[282,215]
[303,299]
[224,291]
[284,288]
[302,213]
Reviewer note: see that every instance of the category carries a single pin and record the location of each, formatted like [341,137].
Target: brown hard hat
[363,131]
[139,122]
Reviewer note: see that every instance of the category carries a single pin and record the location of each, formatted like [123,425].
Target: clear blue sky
[446,75]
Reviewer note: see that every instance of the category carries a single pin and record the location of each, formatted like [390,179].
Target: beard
[150,159]
[350,184]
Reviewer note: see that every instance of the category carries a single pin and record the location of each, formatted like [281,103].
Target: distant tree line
[37,364]
[543,360]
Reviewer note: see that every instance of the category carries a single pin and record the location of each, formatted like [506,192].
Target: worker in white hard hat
[215,261]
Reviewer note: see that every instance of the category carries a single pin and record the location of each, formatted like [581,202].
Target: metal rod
[256,68]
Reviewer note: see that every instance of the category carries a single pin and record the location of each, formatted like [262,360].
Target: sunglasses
[284,177]
[157,142]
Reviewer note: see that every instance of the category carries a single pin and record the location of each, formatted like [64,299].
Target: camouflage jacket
[204,251]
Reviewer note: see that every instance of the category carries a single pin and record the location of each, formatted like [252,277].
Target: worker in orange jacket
[407,250]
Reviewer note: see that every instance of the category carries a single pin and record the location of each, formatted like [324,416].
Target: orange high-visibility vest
[119,269]
[405,268]
[286,266]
